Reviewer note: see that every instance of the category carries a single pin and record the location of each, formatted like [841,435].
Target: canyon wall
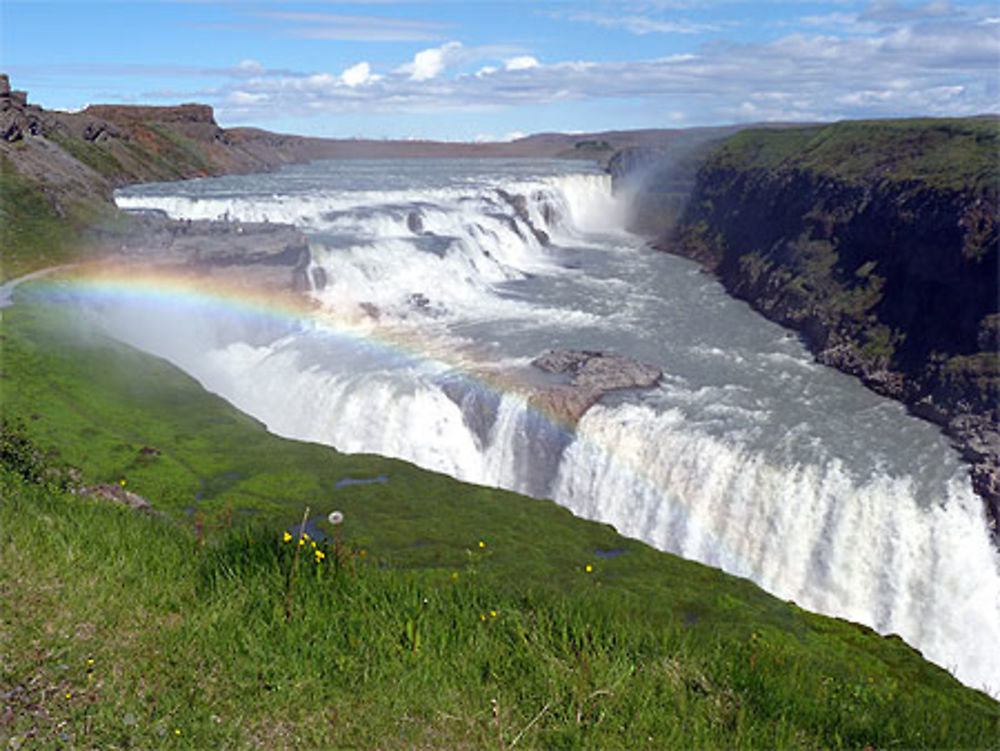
[878,242]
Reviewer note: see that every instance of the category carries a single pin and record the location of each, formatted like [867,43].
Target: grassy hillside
[947,154]
[443,615]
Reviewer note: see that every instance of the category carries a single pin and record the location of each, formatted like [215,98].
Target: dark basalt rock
[888,269]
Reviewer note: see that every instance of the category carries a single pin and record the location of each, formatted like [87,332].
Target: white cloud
[523,62]
[427,64]
[249,66]
[246,98]
[931,66]
[358,75]
[892,11]
[319,81]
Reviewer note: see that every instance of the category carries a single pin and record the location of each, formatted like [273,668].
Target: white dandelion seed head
[336,517]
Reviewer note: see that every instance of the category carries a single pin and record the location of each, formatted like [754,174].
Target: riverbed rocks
[585,376]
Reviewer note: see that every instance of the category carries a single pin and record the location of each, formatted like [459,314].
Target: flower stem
[295,566]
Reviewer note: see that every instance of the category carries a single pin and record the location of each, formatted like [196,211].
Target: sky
[477,70]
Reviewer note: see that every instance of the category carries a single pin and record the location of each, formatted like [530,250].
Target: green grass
[38,231]
[185,616]
[99,158]
[942,153]
[32,234]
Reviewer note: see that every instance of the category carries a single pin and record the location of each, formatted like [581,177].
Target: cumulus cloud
[427,64]
[246,98]
[358,75]
[931,65]
[251,67]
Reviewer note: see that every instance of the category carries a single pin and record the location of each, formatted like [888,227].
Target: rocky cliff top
[182,113]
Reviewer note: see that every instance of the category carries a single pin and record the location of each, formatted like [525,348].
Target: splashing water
[748,456]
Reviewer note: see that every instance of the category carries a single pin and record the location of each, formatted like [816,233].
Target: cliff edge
[878,242]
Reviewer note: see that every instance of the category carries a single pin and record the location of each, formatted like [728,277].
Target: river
[439,278]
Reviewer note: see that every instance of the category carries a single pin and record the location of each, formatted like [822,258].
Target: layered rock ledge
[587,376]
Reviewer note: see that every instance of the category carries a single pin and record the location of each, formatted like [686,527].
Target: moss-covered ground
[441,615]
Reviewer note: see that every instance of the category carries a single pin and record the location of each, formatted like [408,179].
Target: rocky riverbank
[878,243]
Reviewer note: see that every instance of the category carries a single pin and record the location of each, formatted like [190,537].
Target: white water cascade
[748,456]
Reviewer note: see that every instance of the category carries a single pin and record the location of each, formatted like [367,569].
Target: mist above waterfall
[438,279]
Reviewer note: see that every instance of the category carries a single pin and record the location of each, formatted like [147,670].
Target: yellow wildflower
[287,537]
[588,568]
[482,617]
[320,555]
[493,614]
[482,544]
[301,541]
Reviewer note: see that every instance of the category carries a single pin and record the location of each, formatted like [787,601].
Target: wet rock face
[889,271]
[589,376]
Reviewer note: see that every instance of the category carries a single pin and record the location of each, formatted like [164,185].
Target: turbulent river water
[747,455]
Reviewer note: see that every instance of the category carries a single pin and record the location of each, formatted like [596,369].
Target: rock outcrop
[586,377]
[878,242]
[116,494]
[17,118]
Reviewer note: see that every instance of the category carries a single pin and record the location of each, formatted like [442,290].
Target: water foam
[866,549]
[873,546]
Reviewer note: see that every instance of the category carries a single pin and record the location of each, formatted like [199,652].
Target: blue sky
[467,70]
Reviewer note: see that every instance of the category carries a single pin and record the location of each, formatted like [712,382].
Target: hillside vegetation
[441,615]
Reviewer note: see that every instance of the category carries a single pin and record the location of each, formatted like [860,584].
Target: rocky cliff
[878,242]
[58,170]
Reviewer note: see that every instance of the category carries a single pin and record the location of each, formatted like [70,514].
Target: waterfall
[748,457]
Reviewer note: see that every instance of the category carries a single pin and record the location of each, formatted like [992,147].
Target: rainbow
[179,291]
[780,496]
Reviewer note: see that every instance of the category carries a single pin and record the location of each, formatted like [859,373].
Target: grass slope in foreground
[122,630]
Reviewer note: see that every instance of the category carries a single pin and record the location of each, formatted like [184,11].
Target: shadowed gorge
[878,242]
